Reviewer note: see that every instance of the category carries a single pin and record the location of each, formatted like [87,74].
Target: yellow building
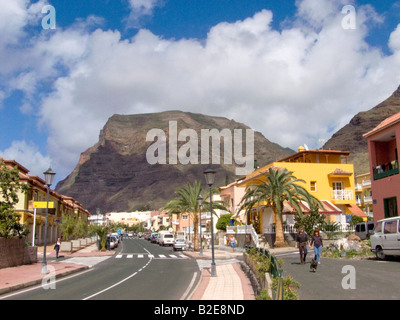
[37,192]
[364,193]
[327,175]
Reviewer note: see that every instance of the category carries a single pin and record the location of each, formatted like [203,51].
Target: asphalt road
[139,271]
[345,279]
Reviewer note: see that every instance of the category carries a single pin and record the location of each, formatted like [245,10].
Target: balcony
[366,183]
[386,170]
[338,195]
[368,199]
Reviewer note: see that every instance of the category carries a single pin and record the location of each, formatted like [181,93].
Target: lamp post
[209,175]
[200,205]
[48,177]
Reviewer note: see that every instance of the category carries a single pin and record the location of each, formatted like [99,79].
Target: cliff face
[115,175]
[350,137]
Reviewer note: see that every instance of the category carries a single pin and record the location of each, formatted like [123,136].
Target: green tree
[223,221]
[10,185]
[280,185]
[186,202]
[313,220]
[102,232]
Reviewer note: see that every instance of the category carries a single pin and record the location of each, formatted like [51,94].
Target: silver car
[179,244]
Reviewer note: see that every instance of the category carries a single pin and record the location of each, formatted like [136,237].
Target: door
[390,207]
[338,190]
[391,237]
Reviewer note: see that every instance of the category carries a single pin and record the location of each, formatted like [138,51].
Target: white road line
[185,295]
[173,256]
[129,256]
[162,256]
[118,283]
[118,256]
[140,256]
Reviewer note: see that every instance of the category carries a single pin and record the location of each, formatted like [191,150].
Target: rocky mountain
[116,175]
[350,137]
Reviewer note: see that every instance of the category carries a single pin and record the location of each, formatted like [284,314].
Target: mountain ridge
[114,174]
[350,137]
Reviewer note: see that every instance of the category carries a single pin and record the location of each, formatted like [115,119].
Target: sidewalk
[230,283]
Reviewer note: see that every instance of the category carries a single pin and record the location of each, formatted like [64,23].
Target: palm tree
[186,202]
[280,185]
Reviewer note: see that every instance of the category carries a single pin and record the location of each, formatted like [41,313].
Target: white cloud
[296,86]
[140,9]
[28,155]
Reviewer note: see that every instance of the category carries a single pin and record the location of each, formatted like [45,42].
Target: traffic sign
[43,204]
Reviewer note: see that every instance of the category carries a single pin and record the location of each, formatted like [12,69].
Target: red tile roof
[384,124]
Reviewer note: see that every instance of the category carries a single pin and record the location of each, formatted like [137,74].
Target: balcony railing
[342,195]
[386,170]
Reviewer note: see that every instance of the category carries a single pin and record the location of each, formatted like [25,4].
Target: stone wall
[14,253]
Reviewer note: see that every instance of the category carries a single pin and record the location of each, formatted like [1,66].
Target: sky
[294,70]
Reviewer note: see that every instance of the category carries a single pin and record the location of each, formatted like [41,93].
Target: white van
[364,230]
[386,238]
[166,239]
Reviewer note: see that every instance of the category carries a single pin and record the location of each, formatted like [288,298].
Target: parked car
[116,236]
[179,244]
[166,239]
[364,229]
[110,243]
[386,238]
[115,240]
[154,237]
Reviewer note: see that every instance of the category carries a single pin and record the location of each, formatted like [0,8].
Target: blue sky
[286,68]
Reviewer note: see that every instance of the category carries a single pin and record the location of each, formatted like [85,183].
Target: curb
[39,281]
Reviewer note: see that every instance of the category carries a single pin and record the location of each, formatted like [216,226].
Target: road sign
[43,204]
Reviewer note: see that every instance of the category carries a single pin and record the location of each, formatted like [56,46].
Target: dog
[314,265]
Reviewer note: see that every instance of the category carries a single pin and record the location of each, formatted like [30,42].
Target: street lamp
[48,177]
[200,205]
[209,175]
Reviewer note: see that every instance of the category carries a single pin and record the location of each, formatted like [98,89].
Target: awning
[355,210]
[328,208]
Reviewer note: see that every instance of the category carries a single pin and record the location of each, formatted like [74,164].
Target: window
[390,206]
[390,226]
[378,227]
[313,186]
[337,185]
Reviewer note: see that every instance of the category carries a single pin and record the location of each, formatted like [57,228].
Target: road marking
[129,256]
[118,256]
[140,256]
[118,283]
[173,256]
[185,295]
[162,256]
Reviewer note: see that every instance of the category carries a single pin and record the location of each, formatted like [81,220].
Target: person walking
[316,240]
[233,243]
[57,247]
[301,243]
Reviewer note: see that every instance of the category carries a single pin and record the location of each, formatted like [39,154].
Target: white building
[129,218]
